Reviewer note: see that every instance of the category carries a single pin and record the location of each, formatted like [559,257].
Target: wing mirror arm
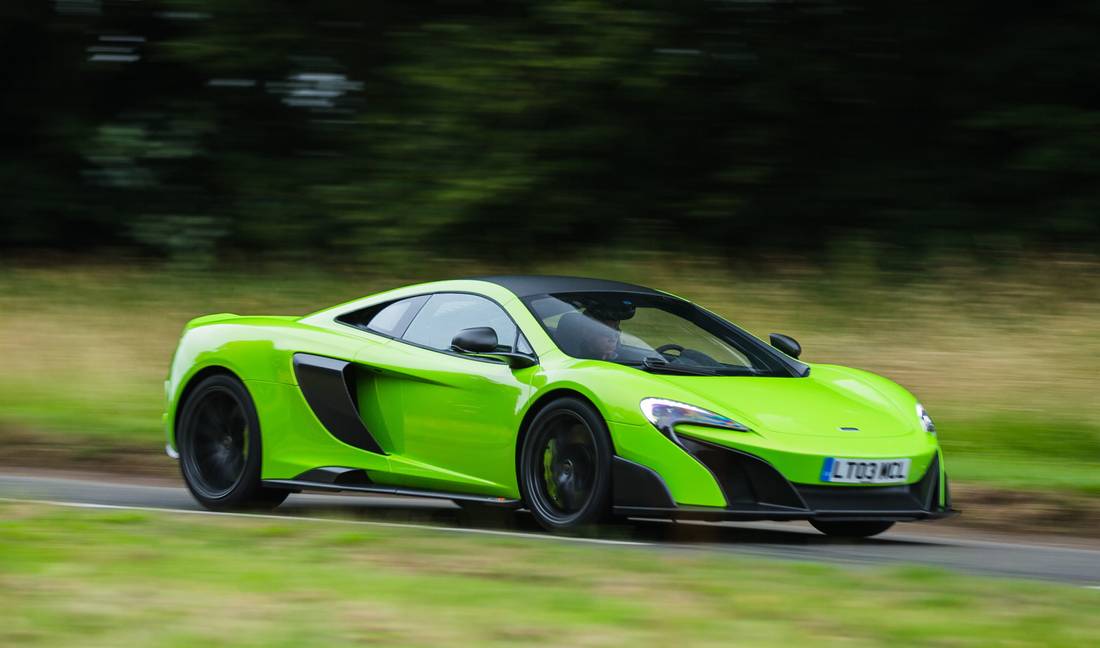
[514,360]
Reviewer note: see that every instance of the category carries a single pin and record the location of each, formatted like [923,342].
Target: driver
[602,342]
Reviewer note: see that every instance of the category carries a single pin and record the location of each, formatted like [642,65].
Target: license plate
[865,471]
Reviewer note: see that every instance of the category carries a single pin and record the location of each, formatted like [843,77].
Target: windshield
[655,333]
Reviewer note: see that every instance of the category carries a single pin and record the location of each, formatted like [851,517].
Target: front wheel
[851,529]
[565,466]
[219,445]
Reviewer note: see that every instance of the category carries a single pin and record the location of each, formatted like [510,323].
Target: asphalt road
[906,544]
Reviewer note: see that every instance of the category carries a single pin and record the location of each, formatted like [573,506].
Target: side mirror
[482,339]
[786,344]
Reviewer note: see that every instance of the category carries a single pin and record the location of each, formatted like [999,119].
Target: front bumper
[755,490]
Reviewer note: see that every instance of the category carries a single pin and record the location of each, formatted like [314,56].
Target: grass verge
[111,578]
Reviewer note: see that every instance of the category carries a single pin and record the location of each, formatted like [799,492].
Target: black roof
[527,285]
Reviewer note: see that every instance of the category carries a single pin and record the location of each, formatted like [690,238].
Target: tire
[220,450]
[851,529]
[565,466]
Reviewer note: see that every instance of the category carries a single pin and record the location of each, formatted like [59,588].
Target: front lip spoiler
[715,513]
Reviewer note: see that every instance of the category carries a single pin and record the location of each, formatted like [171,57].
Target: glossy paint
[452,422]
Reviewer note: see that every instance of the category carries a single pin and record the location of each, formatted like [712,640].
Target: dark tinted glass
[445,314]
[387,318]
[653,331]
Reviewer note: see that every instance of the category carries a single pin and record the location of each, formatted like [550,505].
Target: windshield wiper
[660,365]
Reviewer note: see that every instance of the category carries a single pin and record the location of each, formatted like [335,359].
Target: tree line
[362,131]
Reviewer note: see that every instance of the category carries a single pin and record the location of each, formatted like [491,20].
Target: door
[452,418]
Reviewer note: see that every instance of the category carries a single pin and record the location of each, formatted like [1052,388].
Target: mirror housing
[481,341]
[786,344]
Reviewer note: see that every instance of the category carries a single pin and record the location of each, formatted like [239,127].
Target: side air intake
[329,387]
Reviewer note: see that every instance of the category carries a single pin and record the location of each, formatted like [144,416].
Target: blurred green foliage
[369,131]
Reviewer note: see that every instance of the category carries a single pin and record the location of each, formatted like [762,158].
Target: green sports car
[574,398]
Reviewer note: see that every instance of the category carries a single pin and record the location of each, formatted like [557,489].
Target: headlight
[665,414]
[925,419]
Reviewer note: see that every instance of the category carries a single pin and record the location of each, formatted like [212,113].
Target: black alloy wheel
[218,439]
[565,466]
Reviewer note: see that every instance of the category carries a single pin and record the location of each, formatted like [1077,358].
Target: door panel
[452,421]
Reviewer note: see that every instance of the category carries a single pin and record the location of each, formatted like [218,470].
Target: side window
[391,318]
[446,314]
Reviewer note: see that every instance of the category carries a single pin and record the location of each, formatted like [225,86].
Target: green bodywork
[453,423]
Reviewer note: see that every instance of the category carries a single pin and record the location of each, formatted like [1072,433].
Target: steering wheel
[665,348]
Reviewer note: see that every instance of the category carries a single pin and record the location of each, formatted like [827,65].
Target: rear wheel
[219,445]
[565,466]
[851,529]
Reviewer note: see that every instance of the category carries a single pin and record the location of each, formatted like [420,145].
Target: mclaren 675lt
[573,398]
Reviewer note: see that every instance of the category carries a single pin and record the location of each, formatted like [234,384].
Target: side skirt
[303,484]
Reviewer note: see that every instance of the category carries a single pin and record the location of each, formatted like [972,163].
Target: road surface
[906,544]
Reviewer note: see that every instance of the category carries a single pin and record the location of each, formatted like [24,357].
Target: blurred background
[912,189]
